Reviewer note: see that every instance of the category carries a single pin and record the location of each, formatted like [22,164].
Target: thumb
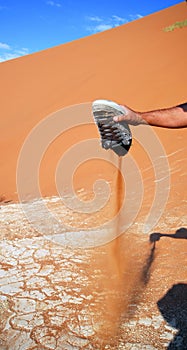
[119,118]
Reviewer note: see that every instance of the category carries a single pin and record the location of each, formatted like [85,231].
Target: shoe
[114,135]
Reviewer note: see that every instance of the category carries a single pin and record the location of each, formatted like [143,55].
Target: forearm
[175,117]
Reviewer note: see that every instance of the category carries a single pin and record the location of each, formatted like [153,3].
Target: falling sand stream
[58,297]
[125,275]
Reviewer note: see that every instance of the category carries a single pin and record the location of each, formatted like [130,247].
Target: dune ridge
[137,63]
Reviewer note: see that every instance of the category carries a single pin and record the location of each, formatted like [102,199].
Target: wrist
[141,118]
[137,118]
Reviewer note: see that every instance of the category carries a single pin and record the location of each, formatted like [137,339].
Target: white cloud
[9,53]
[108,23]
[23,51]
[134,17]
[7,56]
[118,19]
[102,27]
[4,46]
[53,3]
[94,18]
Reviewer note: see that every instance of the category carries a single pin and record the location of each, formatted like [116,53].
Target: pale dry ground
[56,293]
[58,297]
[62,297]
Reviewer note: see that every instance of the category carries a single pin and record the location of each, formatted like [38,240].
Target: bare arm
[175,117]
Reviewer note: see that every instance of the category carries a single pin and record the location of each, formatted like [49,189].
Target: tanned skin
[175,117]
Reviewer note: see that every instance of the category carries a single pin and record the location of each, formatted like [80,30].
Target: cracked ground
[127,294]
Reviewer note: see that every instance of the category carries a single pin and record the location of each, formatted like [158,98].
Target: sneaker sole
[114,135]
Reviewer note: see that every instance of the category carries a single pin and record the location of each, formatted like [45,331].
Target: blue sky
[27,26]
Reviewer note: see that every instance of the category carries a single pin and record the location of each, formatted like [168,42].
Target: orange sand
[138,64]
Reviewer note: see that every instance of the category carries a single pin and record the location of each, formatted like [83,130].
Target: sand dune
[56,296]
[137,63]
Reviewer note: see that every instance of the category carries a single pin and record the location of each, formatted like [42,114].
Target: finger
[119,118]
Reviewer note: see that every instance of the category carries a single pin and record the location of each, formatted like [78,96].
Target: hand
[130,117]
[154,237]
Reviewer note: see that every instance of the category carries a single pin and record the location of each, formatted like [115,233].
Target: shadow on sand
[141,283]
[181,233]
[166,304]
[173,307]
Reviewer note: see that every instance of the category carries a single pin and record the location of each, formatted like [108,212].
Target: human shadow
[173,307]
[181,233]
[140,283]
[146,270]
[145,273]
